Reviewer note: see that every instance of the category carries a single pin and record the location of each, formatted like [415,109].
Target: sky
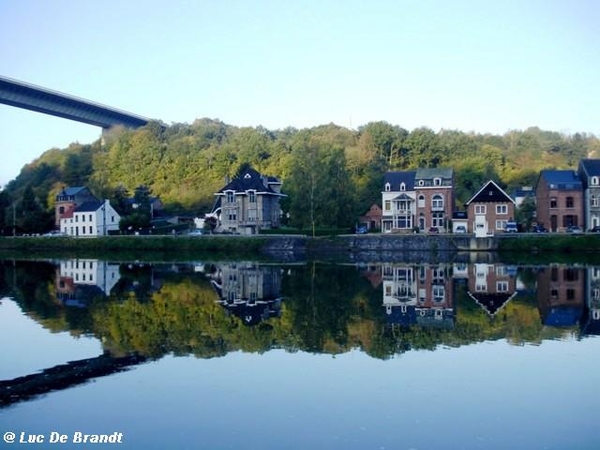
[483,66]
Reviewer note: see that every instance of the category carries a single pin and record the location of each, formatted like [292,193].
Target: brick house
[589,173]
[489,210]
[372,218]
[559,199]
[422,199]
[68,199]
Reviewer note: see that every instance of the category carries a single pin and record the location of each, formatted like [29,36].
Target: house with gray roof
[90,219]
[68,199]
[589,173]
[249,203]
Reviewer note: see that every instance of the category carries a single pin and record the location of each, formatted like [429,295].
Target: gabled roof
[397,178]
[89,206]
[73,190]
[490,302]
[490,193]
[249,180]
[561,179]
[591,167]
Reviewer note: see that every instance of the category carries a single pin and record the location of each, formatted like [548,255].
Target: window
[437,202]
[402,186]
[594,203]
[500,224]
[479,209]
[501,286]
[553,202]
[230,197]
[501,209]
[252,215]
[387,187]
[91,230]
[76,218]
[90,217]
[569,202]
[437,181]
[61,209]
[421,202]
[252,197]
[595,181]
[387,205]
[421,183]
[437,219]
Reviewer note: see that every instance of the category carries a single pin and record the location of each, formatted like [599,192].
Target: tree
[32,218]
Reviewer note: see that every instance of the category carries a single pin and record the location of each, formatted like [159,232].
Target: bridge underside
[35,98]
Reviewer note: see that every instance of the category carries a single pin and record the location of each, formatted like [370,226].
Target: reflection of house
[68,199]
[80,280]
[489,210]
[249,203]
[423,198]
[591,321]
[248,290]
[560,292]
[492,286]
[90,219]
[559,199]
[418,295]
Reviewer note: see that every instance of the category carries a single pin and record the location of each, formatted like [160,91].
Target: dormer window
[595,181]
[437,181]
[247,176]
[421,183]
[387,187]
[402,186]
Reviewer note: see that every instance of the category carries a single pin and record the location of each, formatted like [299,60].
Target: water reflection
[208,309]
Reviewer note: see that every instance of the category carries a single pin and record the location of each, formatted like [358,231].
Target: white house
[91,219]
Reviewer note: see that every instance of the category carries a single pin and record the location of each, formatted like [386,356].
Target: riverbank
[343,248]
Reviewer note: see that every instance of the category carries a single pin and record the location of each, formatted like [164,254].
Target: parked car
[361,229]
[460,229]
[196,232]
[55,233]
[574,229]
[434,230]
[539,229]
[595,229]
[511,227]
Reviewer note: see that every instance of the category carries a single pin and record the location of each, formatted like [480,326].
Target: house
[559,199]
[492,286]
[249,203]
[398,200]
[560,295]
[372,218]
[68,199]
[90,219]
[79,281]
[589,173]
[422,198]
[523,193]
[418,295]
[489,210]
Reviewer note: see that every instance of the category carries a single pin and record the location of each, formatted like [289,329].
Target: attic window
[595,181]
[247,176]
[421,182]
[387,187]
[491,193]
[437,181]
[402,186]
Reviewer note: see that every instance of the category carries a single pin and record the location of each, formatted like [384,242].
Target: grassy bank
[136,247]
[566,248]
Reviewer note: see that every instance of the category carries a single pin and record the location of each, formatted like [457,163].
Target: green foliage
[331,174]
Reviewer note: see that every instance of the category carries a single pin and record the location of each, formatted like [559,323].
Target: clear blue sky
[484,66]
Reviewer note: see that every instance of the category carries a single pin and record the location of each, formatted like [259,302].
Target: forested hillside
[336,170]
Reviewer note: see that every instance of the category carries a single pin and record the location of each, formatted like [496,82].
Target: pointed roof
[490,193]
[591,167]
[249,180]
[89,206]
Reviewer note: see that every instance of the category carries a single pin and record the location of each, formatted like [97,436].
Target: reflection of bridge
[36,98]
[63,376]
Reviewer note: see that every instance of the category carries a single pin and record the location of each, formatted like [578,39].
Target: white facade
[91,272]
[94,221]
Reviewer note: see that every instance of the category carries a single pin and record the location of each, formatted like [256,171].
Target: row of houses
[411,201]
[424,199]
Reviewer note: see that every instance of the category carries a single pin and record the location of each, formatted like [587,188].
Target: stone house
[249,203]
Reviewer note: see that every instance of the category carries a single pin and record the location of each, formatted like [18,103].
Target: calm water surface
[242,355]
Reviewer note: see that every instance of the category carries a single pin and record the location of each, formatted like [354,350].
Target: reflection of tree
[156,310]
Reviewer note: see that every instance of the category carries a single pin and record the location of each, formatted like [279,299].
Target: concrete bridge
[35,98]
